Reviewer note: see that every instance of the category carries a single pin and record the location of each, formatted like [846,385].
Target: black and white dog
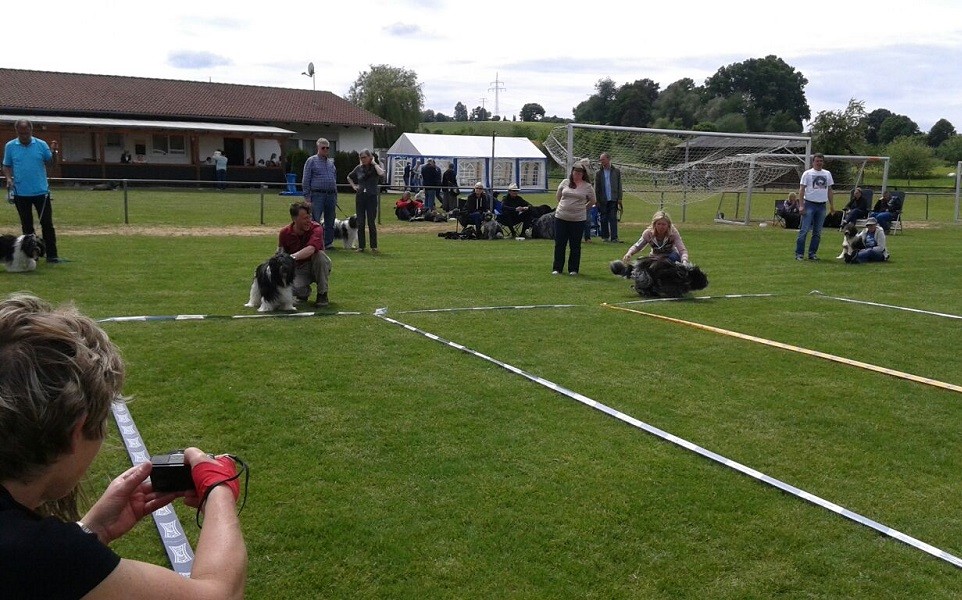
[20,253]
[490,228]
[659,277]
[851,243]
[272,288]
[346,231]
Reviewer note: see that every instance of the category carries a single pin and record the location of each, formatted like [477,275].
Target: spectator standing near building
[431,180]
[814,193]
[608,190]
[320,188]
[366,181]
[220,169]
[25,161]
[449,189]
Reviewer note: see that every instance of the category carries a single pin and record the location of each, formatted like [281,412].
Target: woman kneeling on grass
[663,238]
[59,374]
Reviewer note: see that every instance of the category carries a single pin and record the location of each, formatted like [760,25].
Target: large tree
[771,87]
[873,121]
[632,106]
[532,112]
[677,105]
[840,132]
[895,127]
[596,108]
[941,131]
[480,113]
[460,112]
[391,93]
[910,158]
[951,149]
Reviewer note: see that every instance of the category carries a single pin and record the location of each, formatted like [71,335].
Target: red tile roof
[78,94]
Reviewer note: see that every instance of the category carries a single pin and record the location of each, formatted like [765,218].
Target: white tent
[495,161]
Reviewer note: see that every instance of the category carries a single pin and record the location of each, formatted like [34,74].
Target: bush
[910,158]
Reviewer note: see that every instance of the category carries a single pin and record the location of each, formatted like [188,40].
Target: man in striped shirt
[320,188]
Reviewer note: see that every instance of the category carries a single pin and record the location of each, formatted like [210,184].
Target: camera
[170,473]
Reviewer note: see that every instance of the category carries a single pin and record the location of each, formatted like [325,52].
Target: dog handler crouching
[304,240]
[59,374]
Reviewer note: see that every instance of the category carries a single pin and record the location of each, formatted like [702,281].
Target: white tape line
[893,306]
[278,315]
[171,532]
[808,497]
[470,308]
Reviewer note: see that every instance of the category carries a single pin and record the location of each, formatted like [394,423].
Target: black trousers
[44,207]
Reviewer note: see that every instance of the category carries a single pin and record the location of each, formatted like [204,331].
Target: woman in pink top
[575,196]
[663,238]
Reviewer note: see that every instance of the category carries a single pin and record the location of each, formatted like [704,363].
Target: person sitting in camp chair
[886,210]
[472,210]
[857,207]
[788,211]
[515,210]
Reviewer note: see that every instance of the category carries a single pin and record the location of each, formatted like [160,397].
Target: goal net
[676,167]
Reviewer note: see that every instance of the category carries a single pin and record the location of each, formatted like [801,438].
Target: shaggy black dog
[272,286]
[20,253]
[543,227]
[851,244]
[659,277]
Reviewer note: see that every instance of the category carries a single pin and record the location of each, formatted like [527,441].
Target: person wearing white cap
[515,210]
[475,205]
[873,238]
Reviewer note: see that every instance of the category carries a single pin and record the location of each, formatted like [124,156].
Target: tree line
[756,95]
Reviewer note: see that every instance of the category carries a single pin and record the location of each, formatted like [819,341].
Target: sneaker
[375,251]
[573,273]
[53,260]
[321,300]
[617,241]
[799,257]
[556,272]
[359,249]
[812,257]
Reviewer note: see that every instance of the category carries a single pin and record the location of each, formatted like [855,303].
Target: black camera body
[170,473]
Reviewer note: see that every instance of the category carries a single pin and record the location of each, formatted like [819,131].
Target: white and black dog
[20,253]
[490,228]
[851,243]
[272,288]
[658,277]
[346,231]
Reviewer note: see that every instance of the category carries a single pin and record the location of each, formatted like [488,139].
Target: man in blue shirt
[320,188]
[24,165]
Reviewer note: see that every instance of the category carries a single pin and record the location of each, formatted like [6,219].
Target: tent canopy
[464,146]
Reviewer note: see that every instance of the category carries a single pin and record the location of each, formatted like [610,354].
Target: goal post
[674,167]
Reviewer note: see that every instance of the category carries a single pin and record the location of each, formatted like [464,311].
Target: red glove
[210,474]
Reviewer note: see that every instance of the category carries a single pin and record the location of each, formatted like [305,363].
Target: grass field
[387,465]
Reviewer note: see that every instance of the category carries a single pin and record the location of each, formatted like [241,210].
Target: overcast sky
[902,56]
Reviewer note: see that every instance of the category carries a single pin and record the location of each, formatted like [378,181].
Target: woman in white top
[575,196]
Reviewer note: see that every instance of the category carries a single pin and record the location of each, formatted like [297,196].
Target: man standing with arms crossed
[814,192]
[608,190]
[25,161]
[320,189]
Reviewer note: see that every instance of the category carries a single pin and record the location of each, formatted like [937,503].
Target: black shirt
[43,557]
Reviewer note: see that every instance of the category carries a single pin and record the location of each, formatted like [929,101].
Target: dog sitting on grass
[20,253]
[851,243]
[272,288]
[346,231]
[659,277]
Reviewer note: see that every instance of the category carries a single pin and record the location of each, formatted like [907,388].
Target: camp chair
[594,222]
[777,216]
[898,199]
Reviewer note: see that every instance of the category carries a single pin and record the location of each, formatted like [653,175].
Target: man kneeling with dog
[303,239]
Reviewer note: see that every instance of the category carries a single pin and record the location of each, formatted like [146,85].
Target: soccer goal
[847,171]
[677,168]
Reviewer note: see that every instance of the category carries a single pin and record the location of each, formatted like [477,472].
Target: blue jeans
[884,219]
[870,255]
[812,220]
[430,195]
[609,220]
[324,206]
[567,233]
[221,176]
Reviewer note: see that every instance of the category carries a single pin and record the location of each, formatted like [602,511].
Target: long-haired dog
[20,253]
[851,243]
[272,288]
[490,228]
[346,231]
[658,277]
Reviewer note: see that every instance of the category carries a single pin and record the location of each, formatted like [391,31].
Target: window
[168,144]
[114,140]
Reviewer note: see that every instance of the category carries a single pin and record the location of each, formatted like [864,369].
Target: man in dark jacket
[515,210]
[608,193]
[449,187]
[431,182]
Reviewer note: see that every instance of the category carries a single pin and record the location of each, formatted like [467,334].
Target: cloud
[196,60]
[403,30]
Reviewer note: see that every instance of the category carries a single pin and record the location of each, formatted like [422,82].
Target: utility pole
[497,87]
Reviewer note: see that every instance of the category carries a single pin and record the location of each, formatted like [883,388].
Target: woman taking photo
[366,179]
